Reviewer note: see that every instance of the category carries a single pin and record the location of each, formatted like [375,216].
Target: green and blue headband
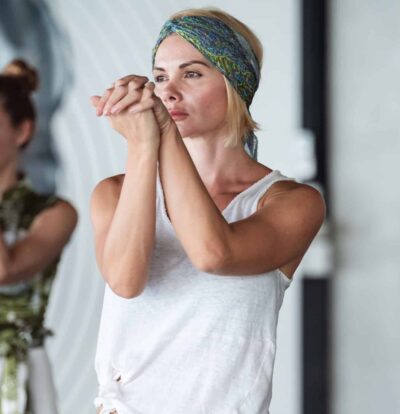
[226,49]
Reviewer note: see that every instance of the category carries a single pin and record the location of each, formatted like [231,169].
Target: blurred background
[329,108]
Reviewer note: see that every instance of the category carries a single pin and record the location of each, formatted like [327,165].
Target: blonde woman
[197,241]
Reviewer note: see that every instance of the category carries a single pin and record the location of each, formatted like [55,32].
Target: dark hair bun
[27,76]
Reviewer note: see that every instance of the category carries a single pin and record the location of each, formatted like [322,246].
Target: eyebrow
[184,65]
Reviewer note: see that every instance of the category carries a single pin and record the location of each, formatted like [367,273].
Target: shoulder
[297,202]
[60,212]
[109,185]
[105,196]
[107,189]
[42,208]
[65,209]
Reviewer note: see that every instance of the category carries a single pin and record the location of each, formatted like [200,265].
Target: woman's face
[8,139]
[11,138]
[190,87]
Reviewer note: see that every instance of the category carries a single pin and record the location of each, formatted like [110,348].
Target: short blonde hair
[238,117]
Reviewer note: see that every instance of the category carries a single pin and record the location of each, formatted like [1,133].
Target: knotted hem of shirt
[110,397]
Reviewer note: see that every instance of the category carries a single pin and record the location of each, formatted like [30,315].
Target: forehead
[175,48]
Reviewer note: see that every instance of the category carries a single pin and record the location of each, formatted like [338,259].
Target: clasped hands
[134,110]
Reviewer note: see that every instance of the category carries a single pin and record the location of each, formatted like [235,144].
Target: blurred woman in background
[34,228]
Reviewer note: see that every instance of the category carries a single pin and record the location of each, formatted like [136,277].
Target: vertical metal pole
[315,285]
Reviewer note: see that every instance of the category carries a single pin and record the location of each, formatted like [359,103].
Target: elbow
[213,261]
[125,292]
[123,286]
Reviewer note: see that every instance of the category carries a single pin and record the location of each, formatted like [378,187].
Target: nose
[169,91]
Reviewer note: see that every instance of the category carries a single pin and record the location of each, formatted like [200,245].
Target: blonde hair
[238,117]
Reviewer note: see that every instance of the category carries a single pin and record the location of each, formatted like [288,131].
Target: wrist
[143,150]
[171,134]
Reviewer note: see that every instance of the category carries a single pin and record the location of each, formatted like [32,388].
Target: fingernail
[114,110]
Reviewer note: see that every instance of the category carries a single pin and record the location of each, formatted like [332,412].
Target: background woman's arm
[43,243]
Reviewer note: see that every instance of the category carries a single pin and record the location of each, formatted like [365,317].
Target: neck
[8,177]
[216,164]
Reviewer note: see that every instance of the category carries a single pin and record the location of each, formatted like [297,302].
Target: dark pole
[316,287]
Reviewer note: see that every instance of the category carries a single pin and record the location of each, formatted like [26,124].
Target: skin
[199,176]
[50,230]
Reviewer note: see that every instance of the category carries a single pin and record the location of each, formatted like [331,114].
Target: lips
[177,113]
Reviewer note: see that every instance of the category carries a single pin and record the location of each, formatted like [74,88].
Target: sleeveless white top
[192,342]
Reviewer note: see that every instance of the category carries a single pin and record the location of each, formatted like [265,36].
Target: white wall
[111,39]
[365,132]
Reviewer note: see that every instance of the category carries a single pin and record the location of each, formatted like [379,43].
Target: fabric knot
[110,397]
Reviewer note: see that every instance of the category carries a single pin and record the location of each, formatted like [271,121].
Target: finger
[103,100]
[119,93]
[126,79]
[159,106]
[94,100]
[133,96]
[141,106]
[148,91]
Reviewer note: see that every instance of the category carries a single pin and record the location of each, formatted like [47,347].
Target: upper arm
[278,233]
[43,243]
[103,203]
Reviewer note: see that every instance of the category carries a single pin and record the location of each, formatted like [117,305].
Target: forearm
[199,225]
[4,260]
[130,239]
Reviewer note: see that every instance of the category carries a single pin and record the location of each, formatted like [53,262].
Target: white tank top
[192,342]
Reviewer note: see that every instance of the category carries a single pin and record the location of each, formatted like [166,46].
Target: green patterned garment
[23,304]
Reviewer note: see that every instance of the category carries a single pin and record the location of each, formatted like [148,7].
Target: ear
[25,130]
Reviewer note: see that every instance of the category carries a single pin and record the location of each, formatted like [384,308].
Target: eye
[192,74]
[159,78]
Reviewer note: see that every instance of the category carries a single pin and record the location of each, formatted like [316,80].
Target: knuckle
[133,94]
[121,88]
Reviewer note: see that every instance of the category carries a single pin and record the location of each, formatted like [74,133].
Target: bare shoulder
[107,190]
[104,199]
[62,214]
[64,208]
[299,202]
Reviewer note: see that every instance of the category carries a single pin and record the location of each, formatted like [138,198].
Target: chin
[184,132]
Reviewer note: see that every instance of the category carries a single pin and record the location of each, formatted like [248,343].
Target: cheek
[213,104]
[8,144]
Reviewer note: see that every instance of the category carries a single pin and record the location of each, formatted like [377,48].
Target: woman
[34,228]
[197,241]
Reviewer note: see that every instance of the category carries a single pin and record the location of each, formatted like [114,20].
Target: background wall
[109,40]
[106,40]
[365,167]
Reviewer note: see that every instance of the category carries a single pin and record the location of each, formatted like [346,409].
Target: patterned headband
[226,49]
